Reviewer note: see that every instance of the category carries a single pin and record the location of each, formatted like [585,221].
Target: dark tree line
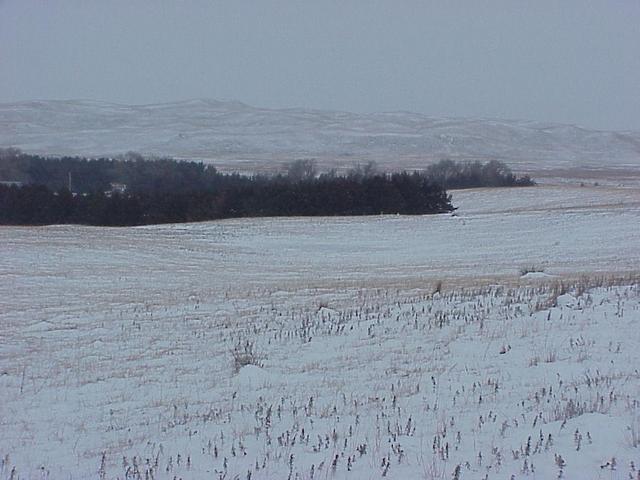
[168,191]
[97,175]
[455,175]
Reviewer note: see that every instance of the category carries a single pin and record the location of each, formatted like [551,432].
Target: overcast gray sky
[568,61]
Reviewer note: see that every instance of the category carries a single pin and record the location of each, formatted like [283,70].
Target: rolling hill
[240,137]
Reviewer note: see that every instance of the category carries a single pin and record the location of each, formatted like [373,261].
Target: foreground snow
[375,384]
[320,348]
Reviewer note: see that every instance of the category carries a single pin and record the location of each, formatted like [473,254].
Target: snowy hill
[243,137]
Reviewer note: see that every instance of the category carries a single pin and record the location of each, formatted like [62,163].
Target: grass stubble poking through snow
[532,381]
[442,347]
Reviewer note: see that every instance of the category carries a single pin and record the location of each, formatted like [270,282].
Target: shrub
[244,353]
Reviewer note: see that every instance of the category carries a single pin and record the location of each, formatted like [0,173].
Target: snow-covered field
[321,347]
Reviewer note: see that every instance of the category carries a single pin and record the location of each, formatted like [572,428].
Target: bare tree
[367,170]
[303,169]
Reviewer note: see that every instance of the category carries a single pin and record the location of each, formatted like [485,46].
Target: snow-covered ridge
[250,137]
